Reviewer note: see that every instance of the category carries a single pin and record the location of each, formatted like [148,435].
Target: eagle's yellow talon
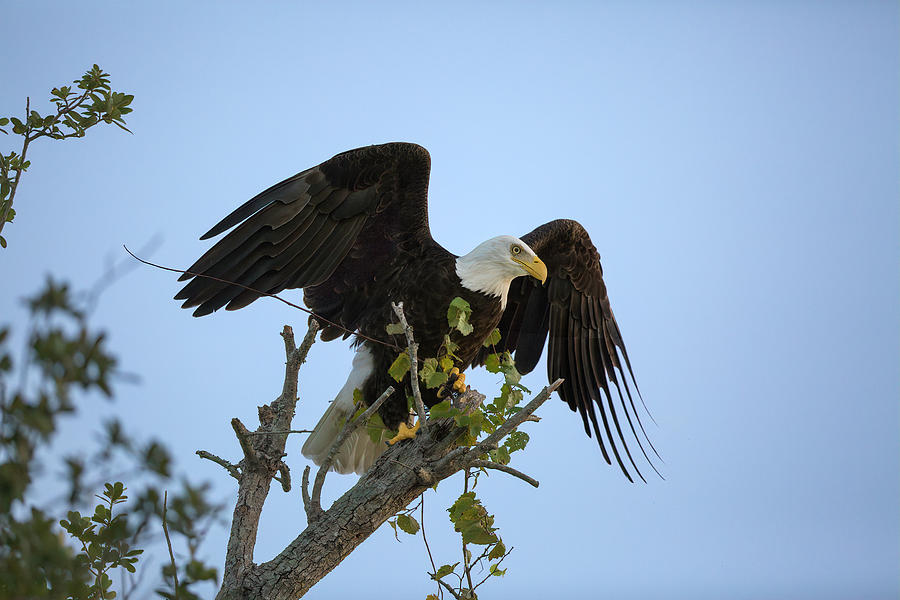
[460,384]
[404,433]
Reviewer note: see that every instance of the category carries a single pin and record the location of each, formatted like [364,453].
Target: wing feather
[299,232]
[585,345]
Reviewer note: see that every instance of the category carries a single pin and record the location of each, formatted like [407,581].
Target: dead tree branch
[402,473]
[412,348]
[486,464]
[260,465]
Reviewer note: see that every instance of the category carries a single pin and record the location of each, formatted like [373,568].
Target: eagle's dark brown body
[353,233]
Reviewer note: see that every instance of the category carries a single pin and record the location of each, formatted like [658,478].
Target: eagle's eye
[515,249]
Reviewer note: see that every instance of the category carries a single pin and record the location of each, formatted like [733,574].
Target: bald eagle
[353,233]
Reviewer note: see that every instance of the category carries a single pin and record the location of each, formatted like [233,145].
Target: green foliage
[104,541]
[444,570]
[394,329]
[91,102]
[468,515]
[375,427]
[458,315]
[408,524]
[405,521]
[65,359]
[432,375]
[472,520]
[400,367]
[487,418]
[476,527]
[492,340]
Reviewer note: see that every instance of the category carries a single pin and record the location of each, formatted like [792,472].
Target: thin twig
[491,441]
[349,428]
[169,542]
[289,431]
[232,469]
[449,588]
[413,348]
[425,539]
[467,568]
[497,564]
[486,464]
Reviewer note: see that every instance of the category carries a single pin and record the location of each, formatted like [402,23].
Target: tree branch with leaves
[90,103]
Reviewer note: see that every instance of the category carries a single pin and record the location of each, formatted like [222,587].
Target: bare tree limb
[412,348]
[232,470]
[262,462]
[486,464]
[286,432]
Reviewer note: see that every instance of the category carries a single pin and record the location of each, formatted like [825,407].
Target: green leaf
[444,570]
[493,339]
[375,428]
[394,328]
[2,242]
[497,551]
[517,440]
[442,410]
[472,521]
[500,455]
[458,314]
[408,524]
[450,346]
[492,363]
[430,375]
[400,366]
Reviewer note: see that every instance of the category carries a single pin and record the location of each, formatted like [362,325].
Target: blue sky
[735,164]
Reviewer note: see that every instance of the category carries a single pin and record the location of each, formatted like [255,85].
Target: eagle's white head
[493,264]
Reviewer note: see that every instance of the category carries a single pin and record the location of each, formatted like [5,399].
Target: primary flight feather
[353,233]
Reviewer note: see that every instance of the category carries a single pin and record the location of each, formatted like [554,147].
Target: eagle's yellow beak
[535,268]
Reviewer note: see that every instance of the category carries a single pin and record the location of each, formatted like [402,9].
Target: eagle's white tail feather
[359,451]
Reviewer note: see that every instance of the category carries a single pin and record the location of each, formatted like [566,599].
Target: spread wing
[586,347]
[297,233]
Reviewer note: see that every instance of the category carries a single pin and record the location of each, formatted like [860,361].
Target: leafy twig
[73,113]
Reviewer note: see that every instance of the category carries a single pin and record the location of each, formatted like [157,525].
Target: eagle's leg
[404,433]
